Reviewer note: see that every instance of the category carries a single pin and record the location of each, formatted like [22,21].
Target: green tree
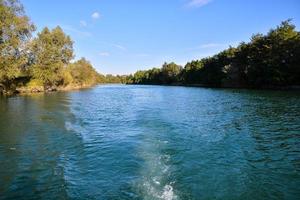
[52,51]
[139,77]
[190,73]
[170,73]
[15,31]
[270,60]
[83,73]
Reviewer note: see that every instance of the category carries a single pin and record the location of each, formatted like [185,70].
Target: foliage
[52,50]
[43,62]
[81,73]
[109,78]
[168,74]
[15,32]
[271,60]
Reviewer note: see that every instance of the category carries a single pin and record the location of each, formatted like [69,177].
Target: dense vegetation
[42,63]
[267,61]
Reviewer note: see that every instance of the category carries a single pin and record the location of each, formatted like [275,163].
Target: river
[150,142]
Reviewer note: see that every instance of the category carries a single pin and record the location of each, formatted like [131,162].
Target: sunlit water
[150,142]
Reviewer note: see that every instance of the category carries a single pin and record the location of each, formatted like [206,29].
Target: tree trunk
[8,87]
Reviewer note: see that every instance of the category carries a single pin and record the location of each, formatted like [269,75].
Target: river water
[150,142]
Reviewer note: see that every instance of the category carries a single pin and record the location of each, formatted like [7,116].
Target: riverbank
[292,87]
[41,89]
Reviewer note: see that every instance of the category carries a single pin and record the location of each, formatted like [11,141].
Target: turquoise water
[150,142]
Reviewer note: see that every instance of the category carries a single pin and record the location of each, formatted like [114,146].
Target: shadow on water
[105,119]
[35,146]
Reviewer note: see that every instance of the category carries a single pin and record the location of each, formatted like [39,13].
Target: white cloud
[214,46]
[119,46]
[206,46]
[211,45]
[73,30]
[95,15]
[83,23]
[104,54]
[218,45]
[197,3]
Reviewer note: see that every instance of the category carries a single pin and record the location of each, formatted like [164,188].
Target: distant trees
[109,78]
[168,74]
[80,73]
[271,60]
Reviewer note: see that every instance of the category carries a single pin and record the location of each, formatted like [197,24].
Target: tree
[190,73]
[52,51]
[15,32]
[83,73]
[139,77]
[270,60]
[170,73]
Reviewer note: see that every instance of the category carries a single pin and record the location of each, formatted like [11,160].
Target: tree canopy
[52,50]
[15,32]
[271,60]
[44,61]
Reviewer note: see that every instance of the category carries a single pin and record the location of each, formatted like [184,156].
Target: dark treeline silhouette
[42,63]
[267,61]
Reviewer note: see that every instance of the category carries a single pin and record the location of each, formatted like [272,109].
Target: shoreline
[278,88]
[40,89]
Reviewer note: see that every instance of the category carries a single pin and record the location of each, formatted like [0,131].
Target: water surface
[150,142]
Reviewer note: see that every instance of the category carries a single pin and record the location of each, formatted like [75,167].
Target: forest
[267,61]
[42,63]
[46,62]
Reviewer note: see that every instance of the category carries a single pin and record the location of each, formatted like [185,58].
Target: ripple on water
[151,142]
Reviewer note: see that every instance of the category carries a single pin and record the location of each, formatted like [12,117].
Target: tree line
[40,63]
[267,61]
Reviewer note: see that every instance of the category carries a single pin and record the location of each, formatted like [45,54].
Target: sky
[123,36]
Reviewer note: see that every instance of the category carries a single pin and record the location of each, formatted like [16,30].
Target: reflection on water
[150,142]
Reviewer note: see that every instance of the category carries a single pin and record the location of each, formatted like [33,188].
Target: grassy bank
[41,89]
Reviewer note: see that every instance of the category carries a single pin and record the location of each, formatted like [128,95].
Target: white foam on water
[69,126]
[155,180]
[168,193]
[154,184]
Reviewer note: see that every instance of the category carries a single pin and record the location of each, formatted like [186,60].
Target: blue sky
[122,36]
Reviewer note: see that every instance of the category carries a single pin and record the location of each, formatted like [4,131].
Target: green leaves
[52,50]
[271,60]
[44,60]
[82,73]
[15,32]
